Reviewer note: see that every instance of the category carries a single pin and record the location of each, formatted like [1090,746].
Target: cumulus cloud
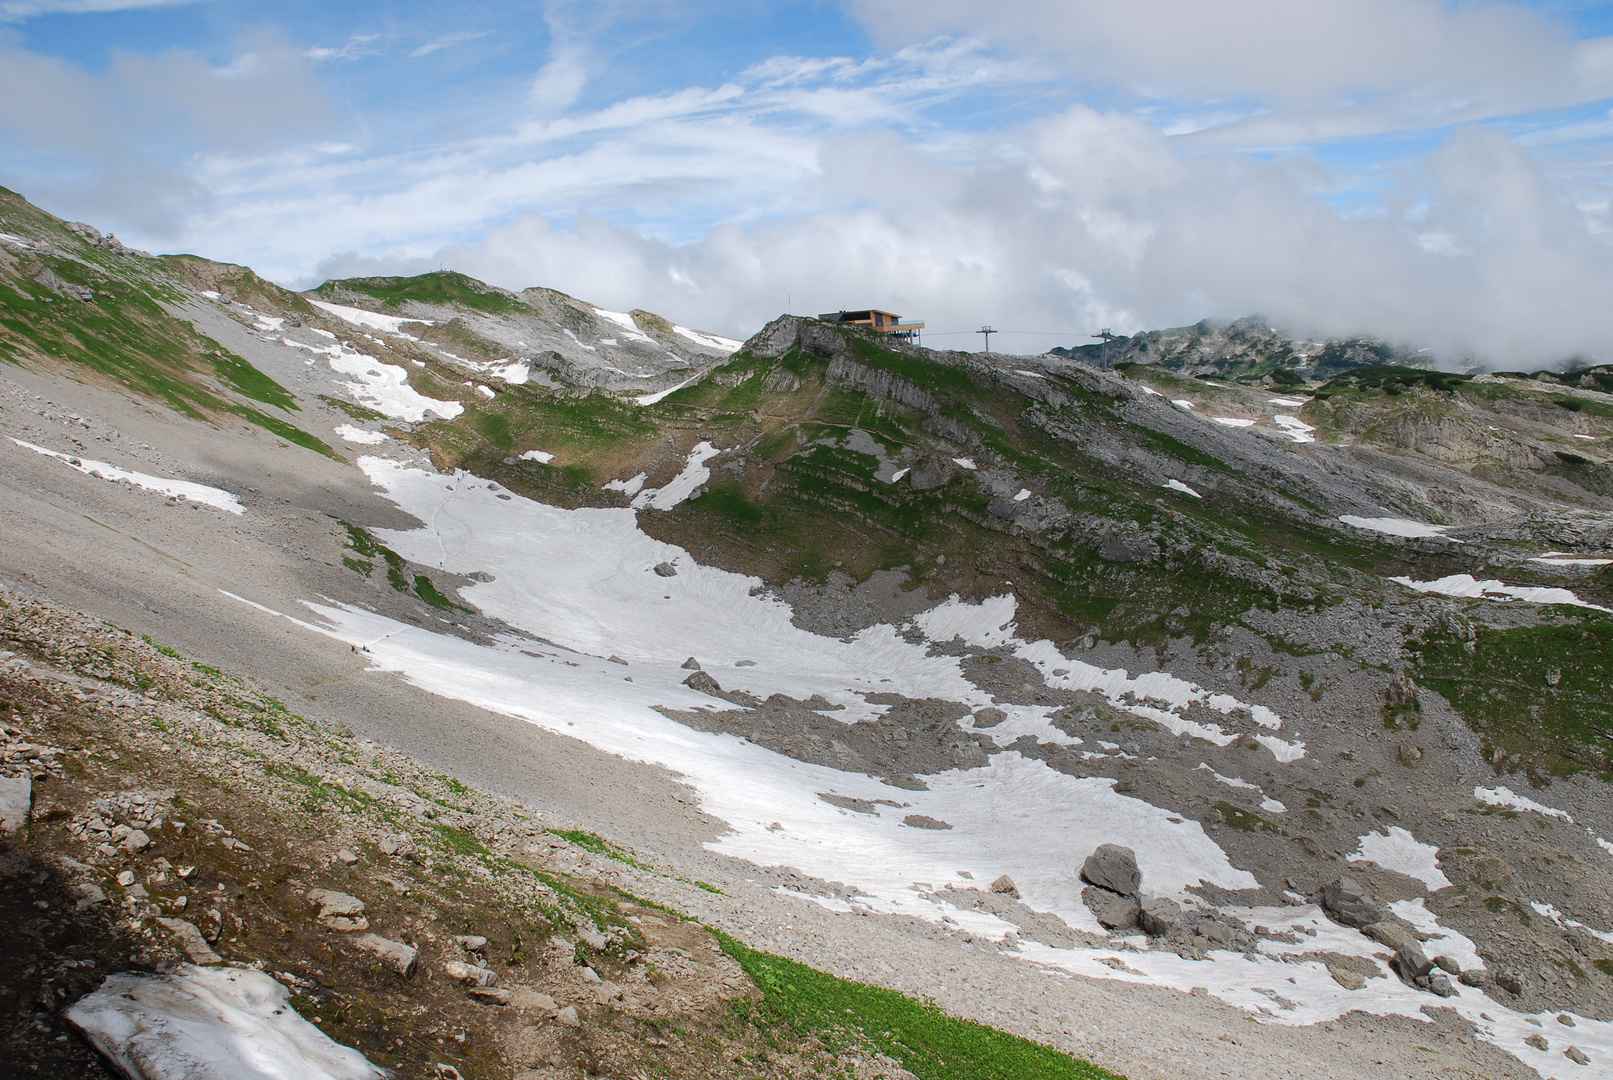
[1085,219]
[891,180]
[119,138]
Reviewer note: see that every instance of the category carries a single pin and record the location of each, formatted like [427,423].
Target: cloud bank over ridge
[1436,174]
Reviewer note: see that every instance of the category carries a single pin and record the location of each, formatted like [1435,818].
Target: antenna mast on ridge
[988,331]
[1107,337]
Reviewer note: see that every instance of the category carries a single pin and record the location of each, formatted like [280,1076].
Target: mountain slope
[851,630]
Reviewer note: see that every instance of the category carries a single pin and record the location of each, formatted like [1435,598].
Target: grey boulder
[1113,911]
[1160,916]
[1347,902]
[1114,868]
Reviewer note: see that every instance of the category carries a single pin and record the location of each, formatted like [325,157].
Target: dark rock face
[1114,868]
[931,473]
[1345,901]
[1113,911]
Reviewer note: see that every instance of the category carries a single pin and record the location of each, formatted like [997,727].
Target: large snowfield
[580,592]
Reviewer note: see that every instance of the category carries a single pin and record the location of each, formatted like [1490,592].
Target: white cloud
[448,40]
[837,181]
[18,10]
[1085,219]
[1419,57]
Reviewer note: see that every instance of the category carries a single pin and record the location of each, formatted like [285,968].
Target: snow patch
[1233,421]
[710,341]
[360,317]
[542,457]
[1505,797]
[651,399]
[1392,526]
[630,329]
[1295,428]
[683,485]
[1177,485]
[630,486]
[352,434]
[383,387]
[178,489]
[218,1023]
[965,463]
[1024,493]
[1285,402]
[1466,585]
[1404,854]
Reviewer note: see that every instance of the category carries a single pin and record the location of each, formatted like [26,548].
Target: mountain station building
[882,322]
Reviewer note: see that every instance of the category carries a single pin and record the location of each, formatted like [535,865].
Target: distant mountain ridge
[1247,348]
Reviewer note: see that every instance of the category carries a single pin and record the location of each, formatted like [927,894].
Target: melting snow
[383,387]
[1286,402]
[1149,390]
[1032,374]
[1506,797]
[630,329]
[1399,527]
[1468,586]
[583,580]
[360,317]
[1177,485]
[710,341]
[898,474]
[629,486]
[1295,428]
[651,399]
[1233,421]
[965,463]
[352,434]
[179,489]
[219,1023]
[683,485]
[1182,402]
[1404,854]
[540,456]
[1560,558]
[1024,493]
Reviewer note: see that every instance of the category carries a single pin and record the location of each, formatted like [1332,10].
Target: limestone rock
[191,941]
[1006,886]
[924,821]
[490,995]
[1160,916]
[137,840]
[89,894]
[1538,1042]
[1113,911]
[1392,934]
[1113,867]
[338,910]
[1411,962]
[524,998]
[568,1017]
[691,664]
[402,957]
[1347,902]
[471,942]
[665,569]
[460,971]
[1576,1055]
[16,798]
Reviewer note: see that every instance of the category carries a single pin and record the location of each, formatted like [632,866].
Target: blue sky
[1439,173]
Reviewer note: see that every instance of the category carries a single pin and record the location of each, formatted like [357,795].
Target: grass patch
[424,589]
[598,845]
[929,1043]
[438,287]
